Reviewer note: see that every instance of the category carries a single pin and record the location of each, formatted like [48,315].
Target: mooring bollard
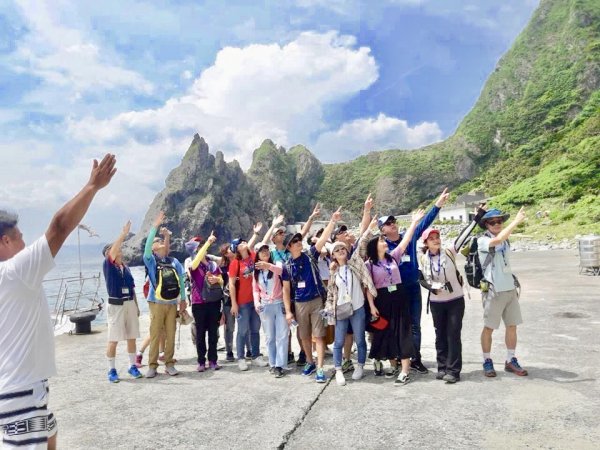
[83,321]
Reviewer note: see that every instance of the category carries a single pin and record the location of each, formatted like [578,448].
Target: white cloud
[357,137]
[64,56]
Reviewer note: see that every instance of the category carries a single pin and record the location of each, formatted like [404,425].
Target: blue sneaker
[134,372]
[309,369]
[320,376]
[488,368]
[112,376]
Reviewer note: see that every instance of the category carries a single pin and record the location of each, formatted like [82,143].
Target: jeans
[229,327]
[276,333]
[415,305]
[447,320]
[248,321]
[206,316]
[357,320]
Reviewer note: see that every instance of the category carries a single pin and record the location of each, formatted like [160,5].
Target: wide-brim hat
[288,238]
[493,214]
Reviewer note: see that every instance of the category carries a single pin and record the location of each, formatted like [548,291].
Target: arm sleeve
[466,232]
[149,240]
[33,263]
[397,253]
[200,255]
[425,222]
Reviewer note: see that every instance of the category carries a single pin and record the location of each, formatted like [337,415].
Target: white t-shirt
[346,282]
[26,331]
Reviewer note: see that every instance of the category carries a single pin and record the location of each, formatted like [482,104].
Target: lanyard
[282,255]
[264,274]
[345,280]
[439,262]
[388,269]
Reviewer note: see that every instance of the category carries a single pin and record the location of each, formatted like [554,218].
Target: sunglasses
[389,222]
[295,241]
[280,232]
[495,222]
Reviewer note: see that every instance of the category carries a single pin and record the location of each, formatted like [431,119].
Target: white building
[462,209]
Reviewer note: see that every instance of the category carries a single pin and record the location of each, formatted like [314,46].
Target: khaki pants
[163,318]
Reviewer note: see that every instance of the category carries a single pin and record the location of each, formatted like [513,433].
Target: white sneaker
[260,362]
[339,377]
[242,364]
[151,372]
[358,372]
[171,370]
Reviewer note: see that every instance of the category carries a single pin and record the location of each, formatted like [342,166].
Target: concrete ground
[556,406]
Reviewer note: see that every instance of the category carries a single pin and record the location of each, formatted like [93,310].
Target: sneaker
[260,361]
[242,364]
[161,357]
[378,368]
[488,368]
[214,365]
[201,367]
[514,367]
[320,376]
[112,376]
[301,359]
[151,372]
[392,372]
[339,377]
[359,372]
[138,360]
[451,379]
[347,366]
[418,366]
[440,375]
[291,359]
[134,372]
[309,369]
[171,370]
[272,370]
[279,372]
[230,357]
[403,378]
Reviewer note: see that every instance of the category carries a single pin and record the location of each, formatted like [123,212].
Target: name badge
[301,284]
[125,291]
[392,288]
[436,285]
[347,297]
[405,258]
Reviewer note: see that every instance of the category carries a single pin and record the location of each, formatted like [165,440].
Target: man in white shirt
[26,332]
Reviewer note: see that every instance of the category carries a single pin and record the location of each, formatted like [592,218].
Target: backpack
[474,270]
[167,278]
[211,293]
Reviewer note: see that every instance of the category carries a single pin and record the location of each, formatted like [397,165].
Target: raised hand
[337,216]
[263,265]
[278,220]
[102,172]
[369,202]
[520,217]
[212,238]
[164,231]
[257,227]
[441,201]
[159,219]
[316,212]
[126,229]
[418,215]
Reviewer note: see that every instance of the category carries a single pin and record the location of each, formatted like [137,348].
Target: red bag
[146,287]
[380,324]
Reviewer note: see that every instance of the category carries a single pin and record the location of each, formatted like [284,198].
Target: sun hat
[492,214]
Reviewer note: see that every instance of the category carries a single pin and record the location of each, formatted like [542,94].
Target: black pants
[207,317]
[447,320]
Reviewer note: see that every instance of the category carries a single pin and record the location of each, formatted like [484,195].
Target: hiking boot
[418,366]
[309,369]
[320,376]
[134,372]
[488,368]
[279,372]
[359,372]
[403,378]
[138,360]
[378,368]
[440,375]
[230,357]
[339,377]
[214,365]
[151,372]
[259,361]
[291,359]
[301,359]
[347,366]
[113,377]
[171,370]
[242,364]
[393,372]
[514,367]
[451,379]
[201,367]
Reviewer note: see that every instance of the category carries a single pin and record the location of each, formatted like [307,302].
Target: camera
[448,287]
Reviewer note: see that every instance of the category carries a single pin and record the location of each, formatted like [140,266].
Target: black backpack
[167,281]
[473,267]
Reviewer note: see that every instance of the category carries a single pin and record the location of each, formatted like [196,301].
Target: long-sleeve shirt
[409,268]
[387,273]
[150,263]
[268,290]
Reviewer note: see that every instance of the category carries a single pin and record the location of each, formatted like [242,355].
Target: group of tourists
[358,286]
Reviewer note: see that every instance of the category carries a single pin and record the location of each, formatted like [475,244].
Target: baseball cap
[428,232]
[383,219]
[339,230]
[289,237]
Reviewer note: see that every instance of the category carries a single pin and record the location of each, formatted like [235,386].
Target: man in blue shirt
[163,308]
[409,270]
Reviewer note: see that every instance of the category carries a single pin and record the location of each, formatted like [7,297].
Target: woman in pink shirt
[395,341]
[268,302]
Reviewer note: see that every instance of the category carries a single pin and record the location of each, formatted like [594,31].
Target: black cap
[337,231]
[288,238]
[105,249]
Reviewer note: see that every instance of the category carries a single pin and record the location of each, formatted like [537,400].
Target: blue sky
[78,79]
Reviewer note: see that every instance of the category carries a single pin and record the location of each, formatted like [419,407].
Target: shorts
[123,321]
[310,321]
[25,419]
[501,305]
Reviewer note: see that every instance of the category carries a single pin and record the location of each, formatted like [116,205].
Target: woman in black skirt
[395,341]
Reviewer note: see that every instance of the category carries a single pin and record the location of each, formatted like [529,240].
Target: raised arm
[306,228]
[506,232]
[366,217]
[115,248]
[466,232]
[276,222]
[166,234]
[202,252]
[256,229]
[416,218]
[432,213]
[335,217]
[69,216]
[152,234]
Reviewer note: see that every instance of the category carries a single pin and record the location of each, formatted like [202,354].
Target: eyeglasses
[495,222]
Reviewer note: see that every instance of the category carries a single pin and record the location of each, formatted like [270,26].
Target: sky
[138,79]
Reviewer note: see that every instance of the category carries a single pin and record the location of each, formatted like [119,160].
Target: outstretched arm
[366,218]
[309,222]
[335,217]
[416,218]
[252,240]
[69,216]
[115,248]
[276,222]
[466,232]
[152,234]
[432,213]
[202,252]
[506,232]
